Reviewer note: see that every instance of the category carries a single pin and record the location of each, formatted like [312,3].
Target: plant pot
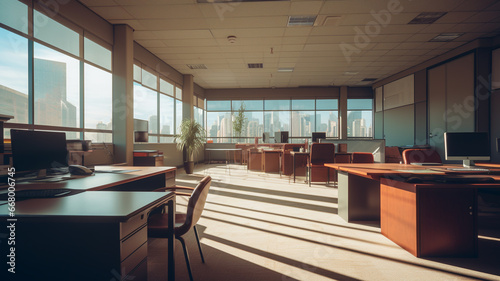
[189,167]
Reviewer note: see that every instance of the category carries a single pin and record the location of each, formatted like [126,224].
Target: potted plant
[190,139]
[239,121]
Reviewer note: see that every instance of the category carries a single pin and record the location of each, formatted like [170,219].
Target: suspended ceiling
[337,51]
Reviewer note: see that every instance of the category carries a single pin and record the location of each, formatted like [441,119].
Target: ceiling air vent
[427,17]
[197,66]
[255,65]
[301,20]
[368,79]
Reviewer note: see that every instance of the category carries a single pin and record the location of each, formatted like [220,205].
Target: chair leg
[199,245]
[186,256]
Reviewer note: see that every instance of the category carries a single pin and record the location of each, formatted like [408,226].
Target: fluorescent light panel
[427,17]
[446,37]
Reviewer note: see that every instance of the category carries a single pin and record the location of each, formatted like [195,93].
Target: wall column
[187,96]
[343,112]
[123,94]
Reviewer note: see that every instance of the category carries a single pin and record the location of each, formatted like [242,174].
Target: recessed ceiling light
[285,69]
[368,79]
[301,20]
[351,73]
[427,17]
[446,37]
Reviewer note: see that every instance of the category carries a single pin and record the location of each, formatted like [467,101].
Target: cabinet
[148,158]
[95,235]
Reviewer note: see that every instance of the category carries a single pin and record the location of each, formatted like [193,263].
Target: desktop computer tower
[281,137]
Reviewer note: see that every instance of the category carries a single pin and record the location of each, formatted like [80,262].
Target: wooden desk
[254,160]
[271,160]
[427,219]
[92,235]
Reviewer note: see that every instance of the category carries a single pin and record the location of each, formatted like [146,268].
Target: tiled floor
[258,226]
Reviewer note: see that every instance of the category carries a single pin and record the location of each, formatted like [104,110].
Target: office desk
[426,219]
[226,150]
[271,160]
[92,235]
[126,178]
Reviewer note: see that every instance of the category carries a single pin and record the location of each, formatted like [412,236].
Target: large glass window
[98,98]
[275,121]
[198,115]
[14,14]
[14,76]
[42,85]
[97,54]
[56,89]
[359,118]
[302,123]
[146,106]
[178,114]
[166,115]
[219,126]
[327,117]
[56,34]
[300,117]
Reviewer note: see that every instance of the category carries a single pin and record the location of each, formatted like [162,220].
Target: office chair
[362,157]
[158,223]
[421,156]
[321,153]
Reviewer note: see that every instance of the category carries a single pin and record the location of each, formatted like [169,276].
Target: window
[15,15]
[149,79]
[146,106]
[327,117]
[299,117]
[166,88]
[178,114]
[359,118]
[97,54]
[167,115]
[66,69]
[56,34]
[14,76]
[137,73]
[56,79]
[98,102]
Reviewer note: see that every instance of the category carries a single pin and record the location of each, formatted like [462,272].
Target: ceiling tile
[245,22]
[113,13]
[165,11]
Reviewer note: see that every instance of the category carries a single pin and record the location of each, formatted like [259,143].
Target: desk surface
[98,181]
[380,169]
[97,206]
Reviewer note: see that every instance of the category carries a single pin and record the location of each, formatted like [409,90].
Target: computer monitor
[265,137]
[467,147]
[39,151]
[281,137]
[318,135]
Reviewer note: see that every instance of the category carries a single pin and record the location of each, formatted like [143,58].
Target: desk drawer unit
[430,219]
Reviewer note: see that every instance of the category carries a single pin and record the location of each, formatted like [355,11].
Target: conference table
[433,214]
[98,232]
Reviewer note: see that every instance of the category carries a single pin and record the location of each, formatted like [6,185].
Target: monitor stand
[468,163]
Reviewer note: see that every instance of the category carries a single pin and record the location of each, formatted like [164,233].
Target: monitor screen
[467,146]
[265,137]
[38,150]
[318,135]
[281,137]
